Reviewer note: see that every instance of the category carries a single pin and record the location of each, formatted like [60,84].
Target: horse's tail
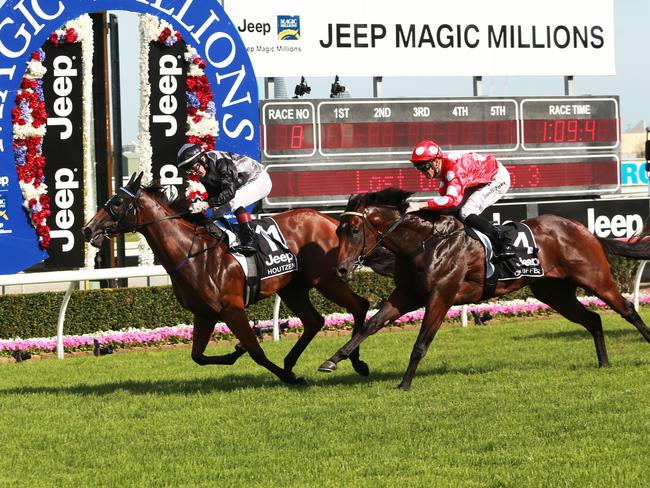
[636,248]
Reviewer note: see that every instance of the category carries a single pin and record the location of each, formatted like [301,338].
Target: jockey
[232,182]
[459,172]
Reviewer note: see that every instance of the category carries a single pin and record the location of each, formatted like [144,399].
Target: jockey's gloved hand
[215,212]
[223,197]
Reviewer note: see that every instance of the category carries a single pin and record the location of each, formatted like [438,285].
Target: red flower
[27,83]
[178,36]
[71,35]
[164,34]
[54,38]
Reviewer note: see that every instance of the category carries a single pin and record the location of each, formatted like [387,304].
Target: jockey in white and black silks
[232,182]
[458,172]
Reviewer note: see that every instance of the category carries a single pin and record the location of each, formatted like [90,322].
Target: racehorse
[208,281]
[438,265]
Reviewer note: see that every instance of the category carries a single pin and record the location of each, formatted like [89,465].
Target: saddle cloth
[273,257]
[524,263]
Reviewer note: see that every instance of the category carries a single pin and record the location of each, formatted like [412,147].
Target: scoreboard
[318,152]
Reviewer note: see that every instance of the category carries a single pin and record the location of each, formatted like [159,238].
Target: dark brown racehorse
[209,282]
[449,269]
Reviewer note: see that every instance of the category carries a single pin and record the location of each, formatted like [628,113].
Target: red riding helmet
[425,151]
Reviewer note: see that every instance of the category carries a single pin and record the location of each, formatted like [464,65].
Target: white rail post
[637,284]
[59,328]
[276,318]
[463,316]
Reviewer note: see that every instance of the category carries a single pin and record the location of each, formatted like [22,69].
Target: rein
[191,255]
[382,235]
[424,245]
[117,229]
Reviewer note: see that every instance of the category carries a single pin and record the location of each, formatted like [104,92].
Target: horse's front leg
[201,333]
[438,304]
[237,322]
[399,303]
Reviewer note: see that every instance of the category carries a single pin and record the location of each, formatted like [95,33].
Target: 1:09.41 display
[571,131]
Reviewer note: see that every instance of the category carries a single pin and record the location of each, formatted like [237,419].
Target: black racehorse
[449,269]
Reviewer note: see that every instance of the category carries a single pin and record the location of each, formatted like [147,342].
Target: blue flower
[211,108]
[39,90]
[192,100]
[19,155]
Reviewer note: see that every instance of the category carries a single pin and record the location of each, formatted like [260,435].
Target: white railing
[73,278]
[77,276]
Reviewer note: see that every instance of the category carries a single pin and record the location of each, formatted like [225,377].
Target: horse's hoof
[403,387]
[300,382]
[361,368]
[327,367]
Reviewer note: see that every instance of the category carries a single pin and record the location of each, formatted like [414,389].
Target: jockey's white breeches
[252,192]
[487,195]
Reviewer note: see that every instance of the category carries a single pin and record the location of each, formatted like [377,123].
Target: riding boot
[245,233]
[503,249]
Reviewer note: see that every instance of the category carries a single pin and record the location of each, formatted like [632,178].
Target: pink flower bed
[183,333]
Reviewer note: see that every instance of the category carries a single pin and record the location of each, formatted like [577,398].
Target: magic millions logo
[288,27]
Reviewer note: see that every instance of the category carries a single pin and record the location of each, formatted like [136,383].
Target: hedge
[36,314]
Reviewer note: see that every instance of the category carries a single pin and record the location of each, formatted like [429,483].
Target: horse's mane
[393,197]
[157,191]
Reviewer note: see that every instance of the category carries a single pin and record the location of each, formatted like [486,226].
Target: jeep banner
[621,218]
[167,112]
[63,151]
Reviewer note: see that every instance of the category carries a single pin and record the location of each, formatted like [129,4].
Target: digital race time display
[558,123]
[318,152]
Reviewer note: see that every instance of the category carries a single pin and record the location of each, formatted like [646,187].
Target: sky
[631,82]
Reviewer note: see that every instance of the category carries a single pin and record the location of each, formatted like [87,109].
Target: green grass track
[516,403]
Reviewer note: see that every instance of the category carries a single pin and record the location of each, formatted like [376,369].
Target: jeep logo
[64,183]
[617,226]
[529,261]
[169,178]
[168,86]
[62,106]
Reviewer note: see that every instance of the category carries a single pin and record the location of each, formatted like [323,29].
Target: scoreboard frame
[586,131]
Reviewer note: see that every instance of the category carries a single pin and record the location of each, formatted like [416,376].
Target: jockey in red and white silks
[458,172]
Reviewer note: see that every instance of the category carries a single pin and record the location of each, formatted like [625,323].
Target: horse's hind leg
[203,327]
[296,297]
[561,296]
[238,323]
[342,295]
[603,287]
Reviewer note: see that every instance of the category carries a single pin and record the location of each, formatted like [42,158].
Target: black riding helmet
[188,154]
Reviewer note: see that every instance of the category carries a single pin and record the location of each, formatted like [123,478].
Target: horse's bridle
[382,235]
[125,195]
[361,259]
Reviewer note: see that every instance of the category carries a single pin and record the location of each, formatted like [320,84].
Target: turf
[517,403]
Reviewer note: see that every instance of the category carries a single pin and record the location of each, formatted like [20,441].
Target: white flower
[198,206]
[206,126]
[35,70]
[28,130]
